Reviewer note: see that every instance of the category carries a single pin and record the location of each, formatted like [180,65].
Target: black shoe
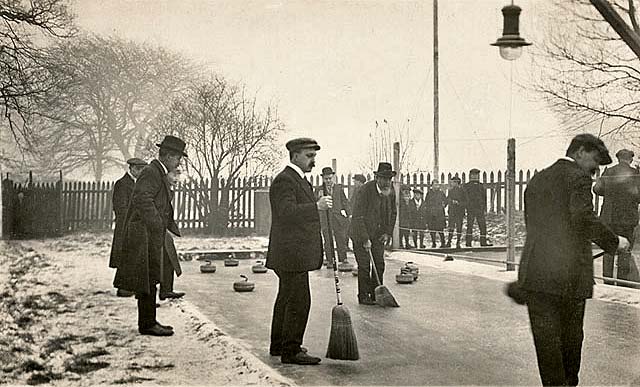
[124,293]
[155,330]
[171,295]
[165,326]
[300,358]
[486,244]
[278,352]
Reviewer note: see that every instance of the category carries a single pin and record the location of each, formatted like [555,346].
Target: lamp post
[510,45]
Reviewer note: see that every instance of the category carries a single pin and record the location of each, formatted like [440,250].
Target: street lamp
[510,43]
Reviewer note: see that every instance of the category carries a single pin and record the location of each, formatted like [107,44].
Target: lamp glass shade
[510,52]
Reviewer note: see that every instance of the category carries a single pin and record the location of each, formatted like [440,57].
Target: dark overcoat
[561,225]
[476,197]
[150,215]
[340,203]
[620,186]
[456,200]
[368,222]
[295,241]
[122,190]
[434,204]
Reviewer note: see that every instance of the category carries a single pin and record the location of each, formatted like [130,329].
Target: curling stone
[187,256]
[448,258]
[259,267]
[231,261]
[208,268]
[413,269]
[243,286]
[405,277]
[345,266]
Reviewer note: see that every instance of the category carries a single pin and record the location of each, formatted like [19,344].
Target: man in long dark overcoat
[620,186]
[170,262]
[374,218]
[122,190]
[556,268]
[295,248]
[435,203]
[150,215]
[476,207]
[456,205]
[338,215]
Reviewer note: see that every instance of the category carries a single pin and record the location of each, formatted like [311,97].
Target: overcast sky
[335,67]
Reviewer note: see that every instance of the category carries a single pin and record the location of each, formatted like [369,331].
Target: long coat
[476,197]
[456,200]
[620,186]
[434,204]
[122,190]
[368,222]
[340,203]
[295,242]
[419,220]
[561,225]
[150,215]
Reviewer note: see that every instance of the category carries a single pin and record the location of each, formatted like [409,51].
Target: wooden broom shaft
[375,270]
[333,255]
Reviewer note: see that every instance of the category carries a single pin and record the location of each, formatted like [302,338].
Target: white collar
[133,177]
[567,158]
[378,189]
[296,168]
[166,171]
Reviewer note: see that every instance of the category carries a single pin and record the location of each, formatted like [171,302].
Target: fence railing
[88,206]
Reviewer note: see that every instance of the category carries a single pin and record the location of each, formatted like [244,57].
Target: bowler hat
[417,190]
[173,143]
[384,170]
[590,143]
[136,161]
[359,177]
[327,171]
[625,154]
[297,144]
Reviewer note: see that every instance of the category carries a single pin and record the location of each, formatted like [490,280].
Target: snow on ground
[61,324]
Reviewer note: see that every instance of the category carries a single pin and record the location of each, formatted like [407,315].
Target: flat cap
[302,143]
[359,177]
[417,190]
[625,154]
[474,171]
[136,161]
[591,142]
[405,188]
[456,178]
[327,171]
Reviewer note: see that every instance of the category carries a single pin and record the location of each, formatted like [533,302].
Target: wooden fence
[85,206]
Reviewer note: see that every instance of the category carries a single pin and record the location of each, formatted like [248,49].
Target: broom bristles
[384,297]
[342,340]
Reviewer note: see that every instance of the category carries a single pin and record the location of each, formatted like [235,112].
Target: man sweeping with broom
[295,248]
[374,216]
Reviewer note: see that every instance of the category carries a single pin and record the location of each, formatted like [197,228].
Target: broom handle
[375,270]
[335,265]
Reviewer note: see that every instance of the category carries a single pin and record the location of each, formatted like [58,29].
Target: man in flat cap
[556,269]
[149,217]
[122,190]
[476,206]
[295,248]
[620,186]
[456,204]
[374,218]
[338,216]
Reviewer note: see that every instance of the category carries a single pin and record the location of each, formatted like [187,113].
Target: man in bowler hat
[374,218]
[295,248]
[620,186]
[556,268]
[149,217]
[338,216]
[122,190]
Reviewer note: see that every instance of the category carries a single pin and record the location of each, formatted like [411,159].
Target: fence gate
[31,210]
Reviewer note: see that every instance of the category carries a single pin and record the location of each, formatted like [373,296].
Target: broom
[383,295]
[342,339]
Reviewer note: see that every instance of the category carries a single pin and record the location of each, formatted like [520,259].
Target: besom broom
[383,295]
[343,344]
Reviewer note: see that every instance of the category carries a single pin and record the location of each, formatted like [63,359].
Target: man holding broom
[295,248]
[374,216]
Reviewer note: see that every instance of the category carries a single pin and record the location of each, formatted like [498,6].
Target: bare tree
[586,72]
[381,139]
[228,136]
[23,74]
[109,91]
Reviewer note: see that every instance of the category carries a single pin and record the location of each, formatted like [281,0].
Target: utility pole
[511,203]
[396,188]
[436,102]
